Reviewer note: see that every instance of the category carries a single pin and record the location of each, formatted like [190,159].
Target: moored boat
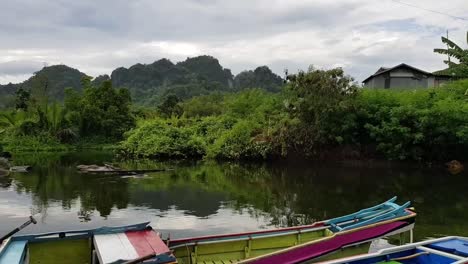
[135,243]
[297,244]
[434,251]
[126,244]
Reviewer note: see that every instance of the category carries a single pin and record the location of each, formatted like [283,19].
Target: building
[404,76]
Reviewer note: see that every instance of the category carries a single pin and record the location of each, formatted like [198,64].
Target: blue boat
[444,250]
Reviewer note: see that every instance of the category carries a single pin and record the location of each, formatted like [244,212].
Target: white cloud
[96,37]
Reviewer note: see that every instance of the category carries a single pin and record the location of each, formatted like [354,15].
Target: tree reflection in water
[286,194]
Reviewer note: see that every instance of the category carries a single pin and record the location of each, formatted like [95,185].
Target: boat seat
[453,246]
[14,253]
[130,245]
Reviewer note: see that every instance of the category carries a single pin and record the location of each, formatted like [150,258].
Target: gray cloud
[97,36]
[20,67]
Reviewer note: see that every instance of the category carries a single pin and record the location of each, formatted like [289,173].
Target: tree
[458,65]
[100,111]
[318,100]
[22,99]
[170,106]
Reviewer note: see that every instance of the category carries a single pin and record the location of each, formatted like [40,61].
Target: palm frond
[451,44]
[8,119]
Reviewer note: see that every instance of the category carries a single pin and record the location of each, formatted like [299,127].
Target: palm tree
[12,119]
[459,66]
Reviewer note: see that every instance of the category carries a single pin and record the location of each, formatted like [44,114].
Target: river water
[199,198]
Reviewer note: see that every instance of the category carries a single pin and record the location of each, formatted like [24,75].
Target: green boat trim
[238,250]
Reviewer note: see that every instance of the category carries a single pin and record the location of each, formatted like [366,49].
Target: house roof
[448,72]
[383,70]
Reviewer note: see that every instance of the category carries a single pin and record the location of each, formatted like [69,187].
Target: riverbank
[24,144]
[423,125]
[320,115]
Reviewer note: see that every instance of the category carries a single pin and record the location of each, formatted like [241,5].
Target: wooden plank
[14,253]
[139,242]
[128,247]
[155,242]
[114,247]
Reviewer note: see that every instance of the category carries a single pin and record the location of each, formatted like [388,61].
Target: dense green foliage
[200,111]
[98,114]
[235,130]
[320,114]
[102,111]
[421,124]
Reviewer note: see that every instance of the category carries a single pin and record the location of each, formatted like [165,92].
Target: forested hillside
[150,84]
[50,81]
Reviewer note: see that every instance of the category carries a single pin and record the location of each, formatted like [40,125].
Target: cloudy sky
[97,36]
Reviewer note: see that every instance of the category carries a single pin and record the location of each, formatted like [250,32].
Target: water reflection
[207,197]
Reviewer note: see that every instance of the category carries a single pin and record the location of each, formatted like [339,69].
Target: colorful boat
[297,244]
[435,251]
[127,244]
[135,243]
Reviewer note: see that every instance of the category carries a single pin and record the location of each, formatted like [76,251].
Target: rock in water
[4,172]
[4,164]
[454,167]
[5,154]
[20,168]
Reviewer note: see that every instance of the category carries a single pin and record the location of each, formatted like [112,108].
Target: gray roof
[383,70]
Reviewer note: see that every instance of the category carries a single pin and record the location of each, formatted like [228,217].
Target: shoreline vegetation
[318,114]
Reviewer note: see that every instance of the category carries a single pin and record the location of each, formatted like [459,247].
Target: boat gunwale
[323,223]
[84,232]
[397,249]
[4,245]
[250,237]
[334,235]
[439,252]
[317,225]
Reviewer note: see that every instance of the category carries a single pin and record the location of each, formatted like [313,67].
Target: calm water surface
[206,197]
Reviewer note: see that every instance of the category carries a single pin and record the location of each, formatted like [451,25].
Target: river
[199,198]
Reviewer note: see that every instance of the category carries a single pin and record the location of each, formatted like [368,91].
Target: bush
[421,124]
[320,112]
[159,138]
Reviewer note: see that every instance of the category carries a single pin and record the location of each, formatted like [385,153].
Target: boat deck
[76,251]
[129,245]
[14,252]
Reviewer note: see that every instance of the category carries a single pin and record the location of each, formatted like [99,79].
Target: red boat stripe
[146,242]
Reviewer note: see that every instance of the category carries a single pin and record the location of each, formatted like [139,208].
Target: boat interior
[451,250]
[234,249]
[83,248]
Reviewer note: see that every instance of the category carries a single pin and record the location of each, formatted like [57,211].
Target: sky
[97,36]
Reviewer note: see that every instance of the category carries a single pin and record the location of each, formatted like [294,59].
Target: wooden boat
[127,244]
[297,244]
[435,251]
[131,244]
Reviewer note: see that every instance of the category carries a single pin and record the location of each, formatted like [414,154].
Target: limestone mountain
[52,80]
[262,77]
[151,83]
